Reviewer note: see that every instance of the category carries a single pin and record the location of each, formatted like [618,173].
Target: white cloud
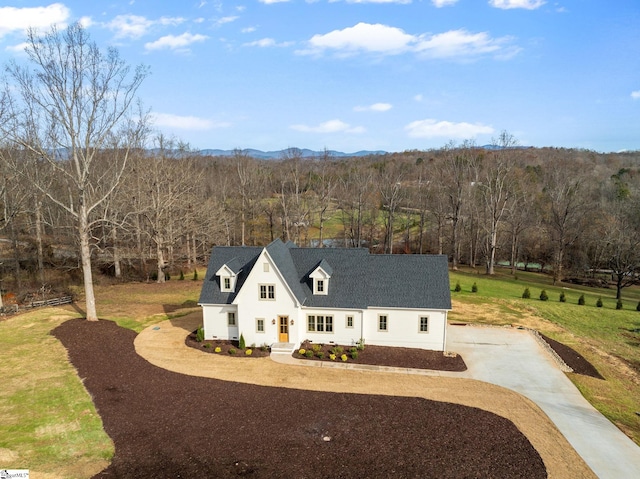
[86,22]
[508,4]
[270,2]
[248,30]
[460,43]
[385,40]
[19,48]
[363,37]
[223,20]
[136,26]
[443,3]
[419,97]
[173,42]
[267,42]
[375,107]
[13,19]
[433,129]
[331,126]
[169,120]
[635,95]
[130,26]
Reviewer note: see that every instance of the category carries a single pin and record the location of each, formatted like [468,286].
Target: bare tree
[497,192]
[73,101]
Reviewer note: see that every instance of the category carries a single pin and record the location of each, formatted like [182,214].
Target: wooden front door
[283,328]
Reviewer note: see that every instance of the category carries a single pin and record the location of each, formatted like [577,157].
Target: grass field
[48,423]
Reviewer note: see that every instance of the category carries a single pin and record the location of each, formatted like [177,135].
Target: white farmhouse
[284,294]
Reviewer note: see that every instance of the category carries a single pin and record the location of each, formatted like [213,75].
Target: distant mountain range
[267,155]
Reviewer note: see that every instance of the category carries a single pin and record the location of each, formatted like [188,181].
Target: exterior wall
[403,328]
[215,322]
[341,333]
[250,306]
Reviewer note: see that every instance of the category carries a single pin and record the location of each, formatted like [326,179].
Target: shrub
[208,345]
[241,342]
[332,357]
[200,335]
[301,351]
[353,350]
[543,295]
[264,347]
[360,344]
[320,354]
[526,294]
[249,352]
[167,276]
[309,354]
[181,275]
[218,349]
[581,300]
[563,298]
[337,350]
[344,357]
[619,304]
[354,354]
[316,347]
[458,288]
[232,351]
[474,288]
[599,303]
[195,275]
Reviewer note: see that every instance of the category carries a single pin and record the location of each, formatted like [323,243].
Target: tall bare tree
[69,103]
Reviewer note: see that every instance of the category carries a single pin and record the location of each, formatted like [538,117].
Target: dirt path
[163,346]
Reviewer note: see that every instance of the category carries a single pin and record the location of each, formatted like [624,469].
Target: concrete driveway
[512,358]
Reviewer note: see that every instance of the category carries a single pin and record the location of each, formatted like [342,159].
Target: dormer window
[228,274]
[320,277]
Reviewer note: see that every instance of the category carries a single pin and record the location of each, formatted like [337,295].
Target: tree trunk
[85,258]
[116,253]
[160,260]
[39,247]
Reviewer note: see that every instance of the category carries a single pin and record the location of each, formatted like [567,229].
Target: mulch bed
[168,425]
[227,348]
[572,358]
[388,356]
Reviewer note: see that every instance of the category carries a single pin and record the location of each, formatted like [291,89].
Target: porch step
[282,348]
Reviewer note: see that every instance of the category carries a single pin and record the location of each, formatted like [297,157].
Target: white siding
[250,306]
[403,329]
[215,321]
[341,334]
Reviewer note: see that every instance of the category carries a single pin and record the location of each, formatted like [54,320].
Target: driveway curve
[513,359]
[163,345]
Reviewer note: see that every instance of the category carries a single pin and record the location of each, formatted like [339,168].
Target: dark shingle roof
[358,279]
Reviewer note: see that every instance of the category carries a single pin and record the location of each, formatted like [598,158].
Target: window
[382,322]
[320,286]
[231,318]
[349,321]
[265,267]
[268,291]
[260,325]
[227,284]
[424,324]
[320,324]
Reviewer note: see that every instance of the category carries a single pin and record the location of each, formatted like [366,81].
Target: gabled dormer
[228,274]
[320,277]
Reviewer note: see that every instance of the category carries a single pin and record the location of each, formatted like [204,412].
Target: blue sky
[353,75]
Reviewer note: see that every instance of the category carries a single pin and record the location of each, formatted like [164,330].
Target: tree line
[88,185]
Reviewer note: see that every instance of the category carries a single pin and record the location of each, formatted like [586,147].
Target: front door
[283,328]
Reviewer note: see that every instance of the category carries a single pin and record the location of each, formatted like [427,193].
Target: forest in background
[574,213]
